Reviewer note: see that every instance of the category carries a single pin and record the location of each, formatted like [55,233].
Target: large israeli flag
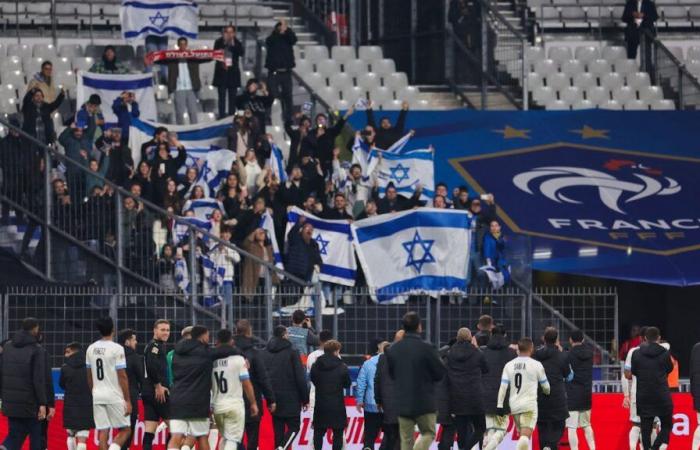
[174,18]
[267,224]
[425,250]
[361,152]
[109,87]
[334,240]
[405,170]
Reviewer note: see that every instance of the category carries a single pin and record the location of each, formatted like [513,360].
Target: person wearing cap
[125,107]
[90,118]
[279,63]
[36,112]
[109,63]
[227,75]
[44,80]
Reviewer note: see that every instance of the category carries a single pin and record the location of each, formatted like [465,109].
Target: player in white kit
[230,380]
[523,375]
[111,404]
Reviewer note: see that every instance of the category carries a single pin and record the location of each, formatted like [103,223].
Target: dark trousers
[550,433]
[20,429]
[281,88]
[471,429]
[252,433]
[320,433]
[662,437]
[231,100]
[373,424]
[390,441]
[447,436]
[132,423]
[284,427]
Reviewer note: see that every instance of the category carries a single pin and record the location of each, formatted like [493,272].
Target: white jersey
[523,375]
[226,383]
[104,358]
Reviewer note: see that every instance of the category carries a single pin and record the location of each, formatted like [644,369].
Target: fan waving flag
[334,240]
[175,18]
[406,171]
[267,224]
[277,163]
[111,86]
[422,251]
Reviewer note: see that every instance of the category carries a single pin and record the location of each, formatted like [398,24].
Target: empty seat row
[339,53]
[632,105]
[585,53]
[368,80]
[572,67]
[379,94]
[329,67]
[544,94]
[610,80]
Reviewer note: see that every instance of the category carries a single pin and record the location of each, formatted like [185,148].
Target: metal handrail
[455,90]
[502,20]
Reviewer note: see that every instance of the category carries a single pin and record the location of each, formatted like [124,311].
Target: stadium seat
[8,105]
[383,67]
[610,104]
[12,63]
[368,80]
[381,94]
[583,104]
[624,94]
[329,94]
[599,67]
[355,67]
[327,67]
[651,93]
[611,80]
[637,105]
[534,54]
[584,80]
[571,94]
[572,67]
[315,53]
[693,53]
[206,72]
[663,105]
[407,93]
[61,64]
[613,53]
[343,53]
[32,65]
[638,80]
[3,50]
[303,67]
[341,105]
[587,53]
[598,95]
[353,93]
[558,81]
[369,53]
[161,92]
[65,79]
[545,67]
[559,54]
[544,95]
[20,50]
[693,67]
[208,92]
[534,80]
[71,50]
[626,66]
[396,80]
[13,77]
[83,63]
[46,51]
[392,105]
[557,105]
[315,80]
[340,80]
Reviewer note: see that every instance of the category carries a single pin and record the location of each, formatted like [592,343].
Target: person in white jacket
[225,258]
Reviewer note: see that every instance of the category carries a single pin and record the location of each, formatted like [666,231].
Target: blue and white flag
[182,276]
[424,250]
[174,18]
[215,168]
[405,170]
[277,163]
[109,87]
[181,228]
[202,208]
[334,239]
[267,224]
[361,152]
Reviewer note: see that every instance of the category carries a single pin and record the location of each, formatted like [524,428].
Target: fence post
[681,103]
[335,313]
[524,314]
[318,306]
[48,199]
[193,274]
[523,74]
[120,242]
[429,319]
[438,319]
[484,53]
[268,302]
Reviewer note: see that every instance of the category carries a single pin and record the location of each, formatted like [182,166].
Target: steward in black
[23,374]
[497,354]
[552,408]
[580,391]
[190,393]
[330,376]
[156,373]
[77,397]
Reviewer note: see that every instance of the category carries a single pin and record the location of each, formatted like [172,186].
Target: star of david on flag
[399,173]
[423,247]
[322,244]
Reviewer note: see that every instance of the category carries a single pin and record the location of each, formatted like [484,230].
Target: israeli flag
[109,87]
[174,18]
[202,208]
[425,250]
[181,228]
[277,163]
[182,276]
[334,239]
[361,152]
[406,171]
[215,168]
[268,225]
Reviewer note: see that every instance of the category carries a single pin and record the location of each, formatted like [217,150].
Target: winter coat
[364,392]
[47,86]
[124,116]
[384,391]
[442,394]
[257,104]
[301,256]
[553,407]
[23,372]
[497,354]
[651,364]
[465,365]
[72,146]
[280,51]
[171,167]
[31,113]
[258,375]
[287,376]
[89,122]
[135,372]
[77,397]
[330,377]
[174,72]
[415,367]
[401,203]
[251,268]
[580,391]
[694,374]
[190,392]
[386,138]
[228,76]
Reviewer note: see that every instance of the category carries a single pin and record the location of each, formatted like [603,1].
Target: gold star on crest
[513,133]
[590,133]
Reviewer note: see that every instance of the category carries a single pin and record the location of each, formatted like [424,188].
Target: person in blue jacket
[125,107]
[90,118]
[364,398]
[493,250]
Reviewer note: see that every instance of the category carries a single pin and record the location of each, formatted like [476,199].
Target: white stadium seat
[32,64]
[396,80]
[368,80]
[611,80]
[13,77]
[327,67]
[315,80]
[544,94]
[46,51]
[626,66]
[637,105]
[557,105]
[651,93]
[407,93]
[355,67]
[613,53]
[83,63]
[545,67]
[534,80]
[353,93]
[340,80]
[315,53]
[572,67]
[598,95]
[303,67]
[381,94]
[20,50]
[558,81]
[328,93]
[584,80]
[611,104]
[383,66]
[534,54]
[571,94]
[559,54]
[65,79]
[583,104]
[599,67]
[587,53]
[638,80]
[343,53]
[370,53]
[663,105]
[70,50]
[624,94]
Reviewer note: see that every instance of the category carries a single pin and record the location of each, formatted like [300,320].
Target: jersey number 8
[100,369]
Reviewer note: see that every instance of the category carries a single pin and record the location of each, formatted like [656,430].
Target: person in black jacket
[303,255]
[37,115]
[385,134]
[227,74]
[694,375]
[393,202]
[245,342]
[297,133]
[77,397]
[330,377]
[638,15]
[279,64]
[651,364]
[384,397]
[190,396]
[288,379]
[579,392]
[448,430]
[50,395]
[23,387]
[257,100]
[552,408]
[165,167]
[465,366]
[154,391]
[415,367]
[135,373]
[497,354]
[320,141]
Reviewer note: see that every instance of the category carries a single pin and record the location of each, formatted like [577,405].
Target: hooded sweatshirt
[579,391]
[497,353]
[553,407]
[287,377]
[258,374]
[189,394]
[651,364]
[465,365]
[23,376]
[330,376]
[77,397]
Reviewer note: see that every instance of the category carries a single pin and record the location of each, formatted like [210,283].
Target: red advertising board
[610,423]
